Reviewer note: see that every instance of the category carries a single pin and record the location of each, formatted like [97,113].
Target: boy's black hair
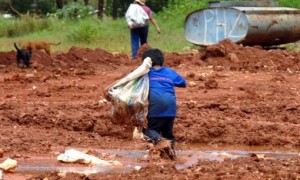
[156,56]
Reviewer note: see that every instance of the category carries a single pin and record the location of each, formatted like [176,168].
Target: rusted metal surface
[247,25]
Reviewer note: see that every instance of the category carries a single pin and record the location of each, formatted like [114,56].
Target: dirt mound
[225,55]
[7,58]
[142,49]
[75,57]
[83,56]
[228,55]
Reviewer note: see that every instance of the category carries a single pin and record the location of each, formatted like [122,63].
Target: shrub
[75,11]
[84,32]
[22,26]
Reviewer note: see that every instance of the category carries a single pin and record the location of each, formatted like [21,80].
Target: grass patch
[22,27]
[85,32]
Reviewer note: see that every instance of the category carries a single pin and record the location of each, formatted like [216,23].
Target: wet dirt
[238,96]
[135,159]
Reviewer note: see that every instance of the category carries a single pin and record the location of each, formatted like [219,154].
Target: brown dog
[37,45]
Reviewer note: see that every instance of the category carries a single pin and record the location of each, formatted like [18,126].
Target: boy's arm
[179,81]
[105,91]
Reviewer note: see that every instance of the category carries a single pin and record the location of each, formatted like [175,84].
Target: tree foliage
[41,7]
[113,8]
[75,11]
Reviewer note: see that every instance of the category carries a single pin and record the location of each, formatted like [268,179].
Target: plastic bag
[130,96]
[8,164]
[74,156]
[136,16]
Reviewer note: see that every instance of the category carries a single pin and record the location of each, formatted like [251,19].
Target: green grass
[289,3]
[293,46]
[107,34]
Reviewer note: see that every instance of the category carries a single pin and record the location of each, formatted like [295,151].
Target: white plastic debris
[192,84]
[137,135]
[8,164]
[259,156]
[102,101]
[74,156]
[223,155]
[137,168]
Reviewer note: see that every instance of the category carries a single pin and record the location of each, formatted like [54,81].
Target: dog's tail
[55,43]
[16,47]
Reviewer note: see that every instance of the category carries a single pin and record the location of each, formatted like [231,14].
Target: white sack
[136,16]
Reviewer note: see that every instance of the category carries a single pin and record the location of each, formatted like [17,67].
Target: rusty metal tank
[247,25]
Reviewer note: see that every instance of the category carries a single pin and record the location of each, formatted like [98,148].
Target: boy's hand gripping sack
[130,96]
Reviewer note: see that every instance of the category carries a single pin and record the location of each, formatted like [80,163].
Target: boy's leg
[154,128]
[167,131]
[135,38]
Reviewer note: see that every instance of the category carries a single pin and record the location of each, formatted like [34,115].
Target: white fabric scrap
[8,164]
[73,156]
[137,135]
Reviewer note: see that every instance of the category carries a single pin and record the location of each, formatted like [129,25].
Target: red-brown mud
[236,95]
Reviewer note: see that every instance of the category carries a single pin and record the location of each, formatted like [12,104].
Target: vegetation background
[96,23]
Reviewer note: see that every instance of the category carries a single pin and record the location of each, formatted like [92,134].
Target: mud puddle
[192,157]
[132,160]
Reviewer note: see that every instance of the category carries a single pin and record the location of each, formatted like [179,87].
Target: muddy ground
[237,98]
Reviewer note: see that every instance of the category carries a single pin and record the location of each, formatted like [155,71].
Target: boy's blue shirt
[162,98]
